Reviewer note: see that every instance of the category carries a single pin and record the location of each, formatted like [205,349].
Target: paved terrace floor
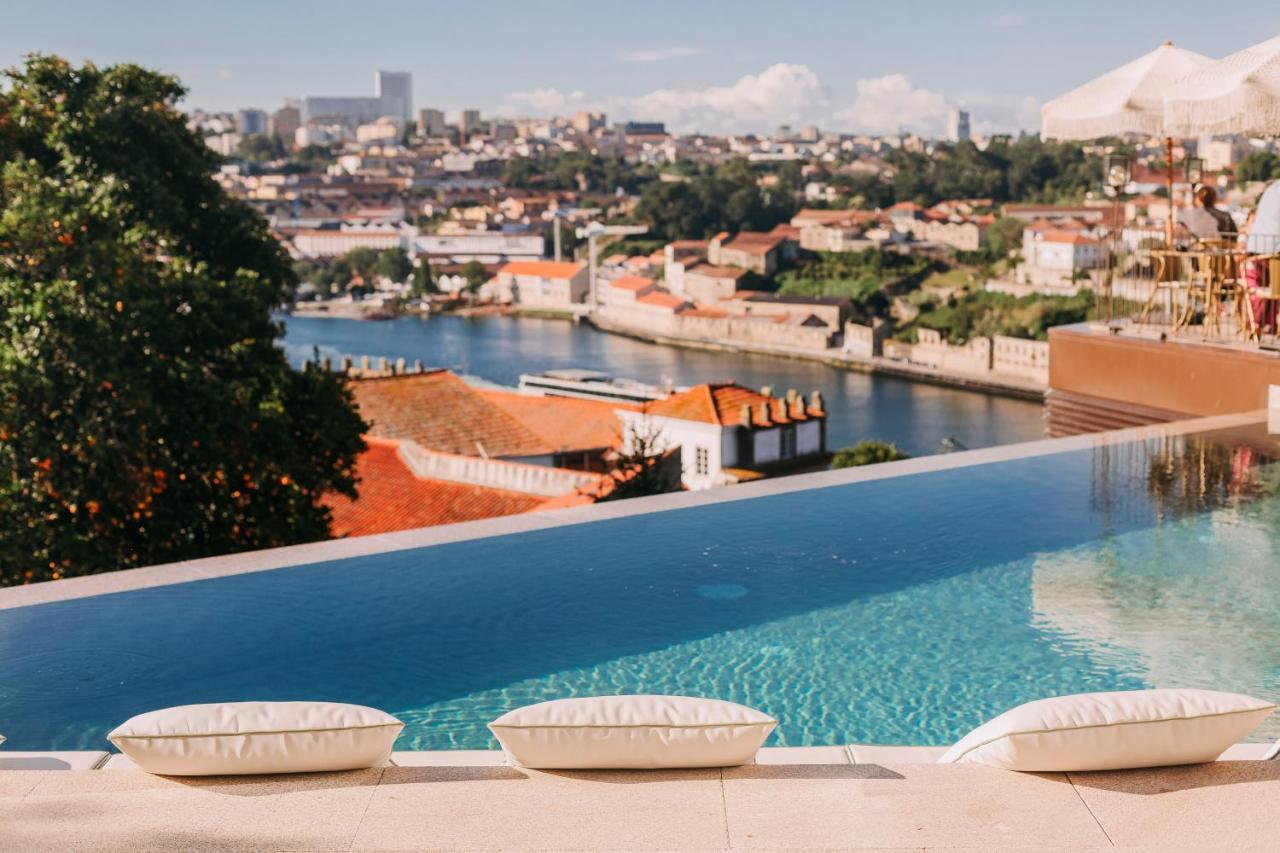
[794,799]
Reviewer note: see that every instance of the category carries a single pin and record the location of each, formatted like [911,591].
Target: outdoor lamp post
[1117,173]
[1194,170]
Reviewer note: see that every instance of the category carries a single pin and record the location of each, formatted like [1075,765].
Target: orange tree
[146,414]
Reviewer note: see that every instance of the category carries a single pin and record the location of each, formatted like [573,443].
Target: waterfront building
[730,434]
[487,247]
[547,285]
[757,251]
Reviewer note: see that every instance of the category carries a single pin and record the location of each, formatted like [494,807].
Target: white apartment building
[487,247]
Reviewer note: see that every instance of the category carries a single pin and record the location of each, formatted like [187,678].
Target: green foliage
[474,273]
[1004,236]
[423,282]
[860,276]
[393,264]
[1023,170]
[261,148]
[867,452]
[726,199]
[983,313]
[146,414]
[573,170]
[1258,166]
[315,158]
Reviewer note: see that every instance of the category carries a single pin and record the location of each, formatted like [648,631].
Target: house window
[702,461]
[788,442]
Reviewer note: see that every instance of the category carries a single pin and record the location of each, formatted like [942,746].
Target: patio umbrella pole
[1168,180]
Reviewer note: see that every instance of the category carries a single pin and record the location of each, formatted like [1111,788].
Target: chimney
[765,420]
[417,365]
[766,391]
[364,364]
[346,364]
[791,395]
[816,405]
[384,366]
[328,365]
[399,365]
[797,407]
[745,415]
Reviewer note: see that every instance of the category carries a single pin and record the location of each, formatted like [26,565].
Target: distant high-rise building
[783,131]
[249,122]
[393,97]
[431,122]
[585,121]
[285,122]
[469,123]
[958,125]
[395,90]
[809,133]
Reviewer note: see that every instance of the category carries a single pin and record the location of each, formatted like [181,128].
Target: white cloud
[659,54]
[544,101]
[781,94]
[886,104]
[789,94]
[1008,20]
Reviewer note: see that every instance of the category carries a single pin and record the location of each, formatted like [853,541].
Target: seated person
[1205,220]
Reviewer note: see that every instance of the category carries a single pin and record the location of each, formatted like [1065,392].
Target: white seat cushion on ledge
[1112,731]
[632,732]
[234,738]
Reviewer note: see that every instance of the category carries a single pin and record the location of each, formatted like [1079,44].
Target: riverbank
[1015,387]
[1004,385]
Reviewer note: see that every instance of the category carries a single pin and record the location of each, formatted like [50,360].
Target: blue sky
[719,66]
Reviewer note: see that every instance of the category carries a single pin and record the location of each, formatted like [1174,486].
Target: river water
[916,416]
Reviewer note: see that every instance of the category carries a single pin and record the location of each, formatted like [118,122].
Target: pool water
[901,610]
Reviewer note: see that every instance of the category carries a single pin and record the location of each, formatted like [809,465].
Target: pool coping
[207,568]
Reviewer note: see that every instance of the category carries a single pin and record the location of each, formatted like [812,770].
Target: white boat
[592,385]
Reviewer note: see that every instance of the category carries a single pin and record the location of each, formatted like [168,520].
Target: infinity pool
[899,610]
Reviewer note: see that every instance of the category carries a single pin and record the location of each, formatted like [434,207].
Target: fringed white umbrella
[1237,94]
[1129,99]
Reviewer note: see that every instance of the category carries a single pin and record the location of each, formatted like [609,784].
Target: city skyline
[860,70]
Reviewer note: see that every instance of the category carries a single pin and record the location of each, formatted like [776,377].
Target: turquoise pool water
[904,610]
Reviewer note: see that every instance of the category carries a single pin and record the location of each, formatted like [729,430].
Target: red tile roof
[441,412]
[392,497]
[565,423]
[543,269]
[721,403]
[634,283]
[712,271]
[755,242]
[661,299]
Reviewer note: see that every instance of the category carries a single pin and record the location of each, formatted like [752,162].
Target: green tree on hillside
[146,414]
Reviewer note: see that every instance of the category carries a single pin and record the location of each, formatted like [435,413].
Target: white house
[729,434]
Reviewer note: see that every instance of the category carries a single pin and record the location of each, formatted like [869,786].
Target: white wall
[808,437]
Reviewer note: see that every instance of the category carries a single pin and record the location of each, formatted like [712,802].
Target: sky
[697,65]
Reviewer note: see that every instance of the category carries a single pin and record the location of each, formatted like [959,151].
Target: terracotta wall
[1172,376]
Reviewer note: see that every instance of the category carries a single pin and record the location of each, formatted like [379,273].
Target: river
[914,415]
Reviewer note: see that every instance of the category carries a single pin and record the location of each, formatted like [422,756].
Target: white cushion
[626,732]
[233,738]
[1112,731]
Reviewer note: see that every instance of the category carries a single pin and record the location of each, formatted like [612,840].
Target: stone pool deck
[825,798]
